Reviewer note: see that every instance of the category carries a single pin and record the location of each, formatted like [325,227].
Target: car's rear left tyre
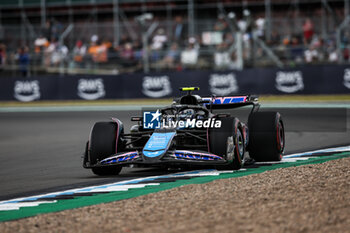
[266,136]
[104,142]
[228,141]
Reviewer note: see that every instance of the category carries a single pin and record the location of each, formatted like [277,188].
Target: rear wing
[227,102]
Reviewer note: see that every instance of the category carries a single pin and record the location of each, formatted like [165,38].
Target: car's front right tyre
[228,141]
[266,136]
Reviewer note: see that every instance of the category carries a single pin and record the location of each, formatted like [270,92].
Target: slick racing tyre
[266,136]
[228,141]
[102,144]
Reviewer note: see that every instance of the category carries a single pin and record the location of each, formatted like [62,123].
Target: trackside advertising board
[331,79]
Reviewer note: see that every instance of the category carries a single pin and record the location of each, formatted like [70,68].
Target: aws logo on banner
[289,81]
[347,78]
[156,87]
[27,91]
[91,89]
[223,84]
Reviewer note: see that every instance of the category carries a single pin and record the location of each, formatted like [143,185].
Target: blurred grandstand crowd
[296,36]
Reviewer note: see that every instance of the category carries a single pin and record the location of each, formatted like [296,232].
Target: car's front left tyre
[104,142]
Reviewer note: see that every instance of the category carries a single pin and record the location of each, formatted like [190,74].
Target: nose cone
[158,144]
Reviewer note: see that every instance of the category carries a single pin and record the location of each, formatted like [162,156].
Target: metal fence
[142,43]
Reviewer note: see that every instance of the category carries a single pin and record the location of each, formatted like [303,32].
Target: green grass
[82,201]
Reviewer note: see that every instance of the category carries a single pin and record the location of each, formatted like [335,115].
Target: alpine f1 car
[188,133]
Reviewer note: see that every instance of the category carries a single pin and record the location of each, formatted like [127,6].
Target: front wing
[171,157]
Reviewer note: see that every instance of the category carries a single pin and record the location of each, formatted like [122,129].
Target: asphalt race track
[41,151]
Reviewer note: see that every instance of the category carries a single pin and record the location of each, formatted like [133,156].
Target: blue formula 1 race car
[187,134]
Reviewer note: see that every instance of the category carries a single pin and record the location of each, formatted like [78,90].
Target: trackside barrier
[330,79]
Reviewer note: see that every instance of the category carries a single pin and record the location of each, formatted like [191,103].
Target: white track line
[16,206]
[129,184]
[336,149]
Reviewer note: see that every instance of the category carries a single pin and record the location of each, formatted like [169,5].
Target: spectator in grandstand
[275,39]
[330,48]
[64,52]
[286,40]
[22,57]
[49,52]
[137,47]
[345,40]
[311,55]
[242,25]
[79,53]
[316,41]
[221,25]
[98,52]
[178,33]
[94,38]
[103,51]
[93,49]
[127,52]
[189,57]
[127,56]
[332,55]
[260,27]
[125,39]
[296,49]
[170,59]
[159,40]
[2,56]
[59,55]
[245,26]
[228,39]
[158,43]
[125,49]
[346,54]
[40,44]
[55,53]
[107,43]
[308,31]
[222,57]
